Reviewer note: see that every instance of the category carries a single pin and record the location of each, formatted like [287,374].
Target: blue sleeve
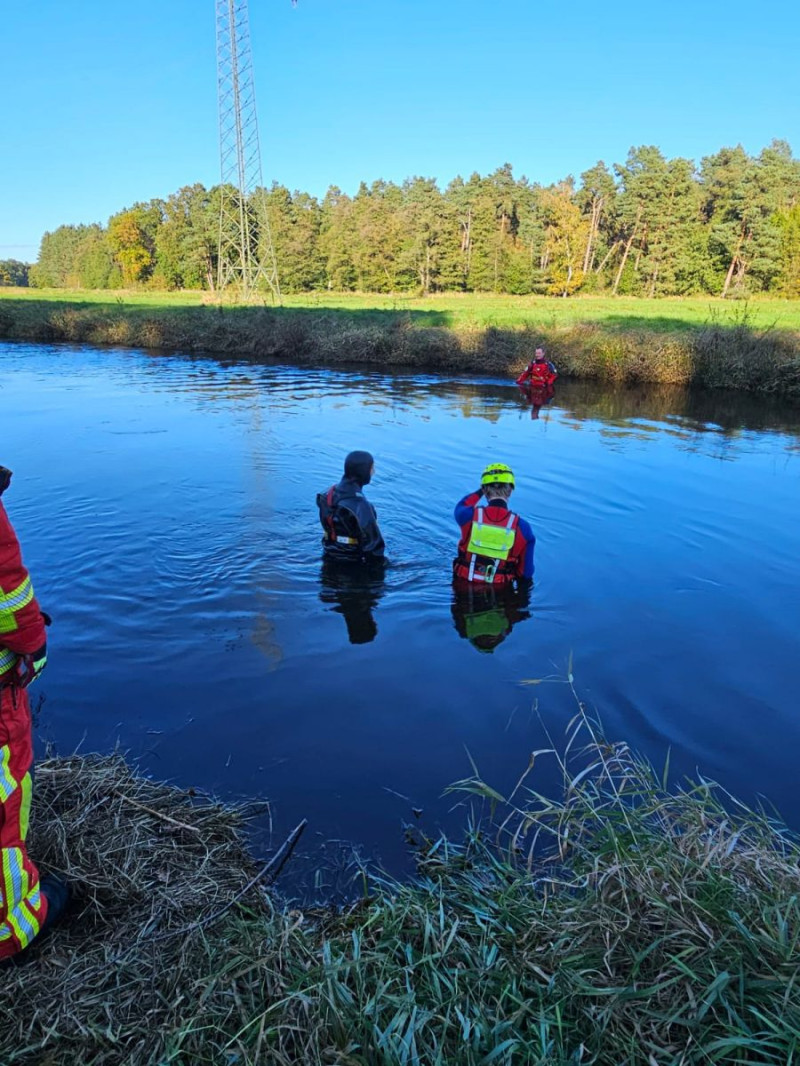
[530,539]
[465,508]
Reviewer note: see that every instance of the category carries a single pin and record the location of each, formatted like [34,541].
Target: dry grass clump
[132,975]
[619,924]
[744,358]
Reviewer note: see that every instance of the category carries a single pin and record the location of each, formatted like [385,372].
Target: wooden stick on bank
[268,873]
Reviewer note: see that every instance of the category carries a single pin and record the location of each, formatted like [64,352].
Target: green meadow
[476,310]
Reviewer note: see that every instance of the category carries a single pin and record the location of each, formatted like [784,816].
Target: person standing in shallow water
[348,519]
[539,373]
[496,546]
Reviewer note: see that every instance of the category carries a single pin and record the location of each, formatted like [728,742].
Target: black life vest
[328,514]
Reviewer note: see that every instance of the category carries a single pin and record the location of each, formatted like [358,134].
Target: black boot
[57,893]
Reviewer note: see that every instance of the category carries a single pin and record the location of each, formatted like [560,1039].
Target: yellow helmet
[498,473]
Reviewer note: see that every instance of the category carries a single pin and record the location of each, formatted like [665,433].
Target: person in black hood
[348,519]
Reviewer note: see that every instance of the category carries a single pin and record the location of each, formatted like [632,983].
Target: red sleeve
[524,376]
[465,508]
[21,625]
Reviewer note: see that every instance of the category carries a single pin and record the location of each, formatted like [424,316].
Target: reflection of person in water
[354,591]
[485,615]
[537,396]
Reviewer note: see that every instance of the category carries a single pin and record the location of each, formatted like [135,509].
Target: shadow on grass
[649,324]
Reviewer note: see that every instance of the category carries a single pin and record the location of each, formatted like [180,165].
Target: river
[166,508]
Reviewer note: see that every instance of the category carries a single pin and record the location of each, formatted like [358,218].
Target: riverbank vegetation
[681,342]
[649,227]
[619,923]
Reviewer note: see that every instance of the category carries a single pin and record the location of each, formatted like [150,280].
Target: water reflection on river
[166,506]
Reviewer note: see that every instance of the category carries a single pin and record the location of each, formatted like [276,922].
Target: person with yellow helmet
[496,545]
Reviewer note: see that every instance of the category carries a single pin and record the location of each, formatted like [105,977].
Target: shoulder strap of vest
[329,516]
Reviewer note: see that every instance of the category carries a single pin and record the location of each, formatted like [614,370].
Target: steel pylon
[246,254]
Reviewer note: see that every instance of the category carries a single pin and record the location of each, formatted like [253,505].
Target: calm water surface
[166,509]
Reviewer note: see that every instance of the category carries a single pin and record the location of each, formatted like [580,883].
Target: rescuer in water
[349,520]
[496,545]
[28,904]
[539,373]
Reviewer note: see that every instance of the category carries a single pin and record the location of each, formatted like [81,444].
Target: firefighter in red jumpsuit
[27,904]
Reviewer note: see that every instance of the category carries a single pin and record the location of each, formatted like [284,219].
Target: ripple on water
[166,506]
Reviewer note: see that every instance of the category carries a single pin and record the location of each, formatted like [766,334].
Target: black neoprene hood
[358,465]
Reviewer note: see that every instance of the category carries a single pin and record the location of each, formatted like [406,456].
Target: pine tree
[337,240]
[595,198]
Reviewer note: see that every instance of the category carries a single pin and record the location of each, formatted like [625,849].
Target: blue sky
[107,103]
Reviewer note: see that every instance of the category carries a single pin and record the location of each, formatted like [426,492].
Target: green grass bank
[618,924]
[704,342]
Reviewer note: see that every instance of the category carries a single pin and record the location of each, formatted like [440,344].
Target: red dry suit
[23,907]
[537,373]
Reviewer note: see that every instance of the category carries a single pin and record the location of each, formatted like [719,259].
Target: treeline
[13,272]
[651,226]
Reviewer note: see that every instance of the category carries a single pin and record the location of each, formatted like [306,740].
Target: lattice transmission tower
[246,254]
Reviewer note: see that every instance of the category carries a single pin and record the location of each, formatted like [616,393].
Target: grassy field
[710,343]
[619,924]
[482,310]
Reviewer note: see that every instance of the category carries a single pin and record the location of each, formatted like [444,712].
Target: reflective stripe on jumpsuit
[22,907]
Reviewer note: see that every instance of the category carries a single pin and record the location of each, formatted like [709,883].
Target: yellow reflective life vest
[486,538]
[490,541]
